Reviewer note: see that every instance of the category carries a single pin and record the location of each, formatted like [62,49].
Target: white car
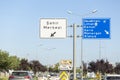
[54,76]
[111,77]
[20,75]
[42,77]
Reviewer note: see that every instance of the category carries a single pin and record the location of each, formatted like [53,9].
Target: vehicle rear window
[19,73]
[113,78]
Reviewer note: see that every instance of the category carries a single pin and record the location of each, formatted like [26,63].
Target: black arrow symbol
[52,34]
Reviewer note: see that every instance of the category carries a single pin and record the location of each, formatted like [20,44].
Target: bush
[5,78]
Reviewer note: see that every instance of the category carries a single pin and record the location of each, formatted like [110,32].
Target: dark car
[78,77]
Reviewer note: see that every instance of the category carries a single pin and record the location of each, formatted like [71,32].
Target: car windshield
[53,74]
[19,73]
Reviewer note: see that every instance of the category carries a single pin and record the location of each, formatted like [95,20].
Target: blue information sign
[96,28]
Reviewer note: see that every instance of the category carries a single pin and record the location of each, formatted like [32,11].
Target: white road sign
[53,28]
[65,65]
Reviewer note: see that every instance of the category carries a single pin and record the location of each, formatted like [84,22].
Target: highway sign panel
[96,28]
[53,28]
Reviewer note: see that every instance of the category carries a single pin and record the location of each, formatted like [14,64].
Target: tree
[117,68]
[4,57]
[84,68]
[24,65]
[8,62]
[37,66]
[101,66]
[55,68]
[14,62]
[92,67]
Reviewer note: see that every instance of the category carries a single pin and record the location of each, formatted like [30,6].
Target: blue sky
[19,29]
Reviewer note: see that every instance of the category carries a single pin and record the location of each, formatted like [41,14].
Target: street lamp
[91,12]
[94,11]
[74,43]
[45,49]
[39,45]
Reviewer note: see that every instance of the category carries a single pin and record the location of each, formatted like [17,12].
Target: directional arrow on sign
[106,32]
[52,34]
[63,75]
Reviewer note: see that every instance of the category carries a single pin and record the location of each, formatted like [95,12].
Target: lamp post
[45,49]
[40,45]
[48,66]
[74,44]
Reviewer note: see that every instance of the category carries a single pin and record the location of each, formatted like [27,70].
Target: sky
[20,24]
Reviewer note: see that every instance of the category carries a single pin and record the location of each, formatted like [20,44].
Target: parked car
[78,77]
[42,77]
[20,75]
[111,77]
[54,76]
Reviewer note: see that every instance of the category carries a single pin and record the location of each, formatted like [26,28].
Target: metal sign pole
[74,51]
[81,56]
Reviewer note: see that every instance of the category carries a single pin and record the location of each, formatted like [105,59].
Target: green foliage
[37,66]
[14,62]
[55,68]
[24,65]
[117,68]
[32,65]
[4,56]
[101,66]
[8,62]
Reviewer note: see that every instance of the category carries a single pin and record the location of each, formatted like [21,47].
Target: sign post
[96,28]
[65,66]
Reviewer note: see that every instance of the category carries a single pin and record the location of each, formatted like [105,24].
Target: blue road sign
[96,28]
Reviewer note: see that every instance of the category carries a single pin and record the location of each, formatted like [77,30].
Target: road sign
[64,75]
[96,28]
[65,65]
[53,28]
